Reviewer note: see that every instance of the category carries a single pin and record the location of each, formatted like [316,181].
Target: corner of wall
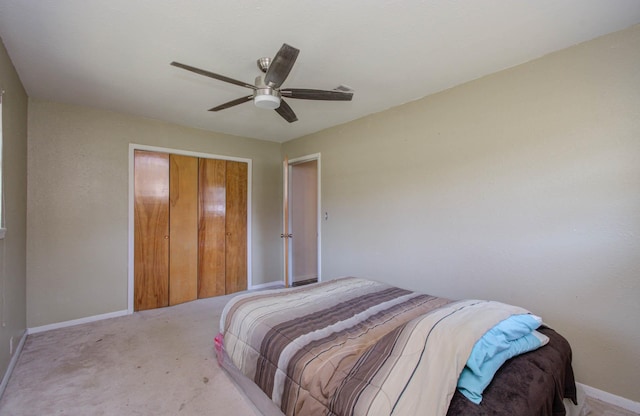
[13,245]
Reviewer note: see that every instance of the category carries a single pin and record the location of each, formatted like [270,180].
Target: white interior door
[304,220]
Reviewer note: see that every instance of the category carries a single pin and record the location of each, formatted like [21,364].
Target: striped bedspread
[355,347]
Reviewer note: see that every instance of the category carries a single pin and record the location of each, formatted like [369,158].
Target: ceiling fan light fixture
[268,101]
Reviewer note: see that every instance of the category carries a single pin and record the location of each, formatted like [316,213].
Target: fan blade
[281,66]
[307,94]
[232,103]
[213,75]
[286,112]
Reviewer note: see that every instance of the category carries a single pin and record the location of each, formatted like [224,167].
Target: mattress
[359,347]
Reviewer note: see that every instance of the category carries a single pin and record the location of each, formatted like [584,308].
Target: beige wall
[78,205]
[13,246]
[523,186]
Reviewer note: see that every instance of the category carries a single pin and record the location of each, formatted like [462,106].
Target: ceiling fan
[266,91]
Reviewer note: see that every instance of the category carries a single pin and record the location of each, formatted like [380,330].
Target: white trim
[610,398]
[79,321]
[12,363]
[266,285]
[130,232]
[302,159]
[132,148]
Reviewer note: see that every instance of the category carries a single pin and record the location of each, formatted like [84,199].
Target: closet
[190,228]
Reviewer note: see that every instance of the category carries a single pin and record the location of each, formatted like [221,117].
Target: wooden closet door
[211,229]
[236,227]
[183,228]
[151,230]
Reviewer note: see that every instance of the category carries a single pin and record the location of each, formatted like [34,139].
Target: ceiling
[115,54]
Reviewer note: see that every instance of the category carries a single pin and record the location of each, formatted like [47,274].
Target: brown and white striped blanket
[355,347]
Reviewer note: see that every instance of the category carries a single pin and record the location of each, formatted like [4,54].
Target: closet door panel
[151,230]
[211,234]
[236,227]
[183,227]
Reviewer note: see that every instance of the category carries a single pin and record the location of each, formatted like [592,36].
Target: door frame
[132,148]
[287,182]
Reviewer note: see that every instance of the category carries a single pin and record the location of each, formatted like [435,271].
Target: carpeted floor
[158,362]
[599,408]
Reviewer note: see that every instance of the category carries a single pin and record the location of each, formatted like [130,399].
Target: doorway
[304,220]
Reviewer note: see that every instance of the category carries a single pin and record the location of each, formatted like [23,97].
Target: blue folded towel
[513,336]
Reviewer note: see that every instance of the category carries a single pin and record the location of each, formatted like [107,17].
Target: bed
[354,346]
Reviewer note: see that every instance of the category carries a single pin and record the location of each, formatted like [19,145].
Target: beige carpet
[158,362]
[599,408]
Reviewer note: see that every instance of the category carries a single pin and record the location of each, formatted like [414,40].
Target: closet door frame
[132,148]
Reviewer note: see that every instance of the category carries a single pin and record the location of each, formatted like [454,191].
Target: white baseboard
[73,322]
[267,285]
[610,398]
[12,363]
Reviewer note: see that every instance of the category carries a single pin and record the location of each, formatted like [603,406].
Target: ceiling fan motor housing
[265,96]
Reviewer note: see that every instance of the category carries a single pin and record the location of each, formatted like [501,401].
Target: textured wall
[13,312]
[523,186]
[78,205]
